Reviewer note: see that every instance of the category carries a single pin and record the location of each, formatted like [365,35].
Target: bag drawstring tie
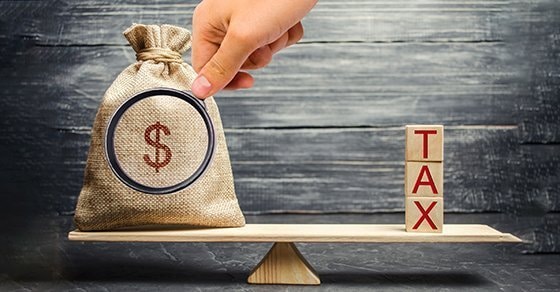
[159,55]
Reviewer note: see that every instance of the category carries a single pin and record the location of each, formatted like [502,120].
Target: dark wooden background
[322,131]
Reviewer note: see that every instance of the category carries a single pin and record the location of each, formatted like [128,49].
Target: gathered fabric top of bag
[167,43]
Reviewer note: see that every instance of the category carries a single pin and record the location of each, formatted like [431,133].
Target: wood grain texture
[424,143]
[536,33]
[424,214]
[284,264]
[423,179]
[44,258]
[362,170]
[302,233]
[322,129]
[94,22]
[312,85]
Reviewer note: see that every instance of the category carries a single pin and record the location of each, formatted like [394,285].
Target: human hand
[234,35]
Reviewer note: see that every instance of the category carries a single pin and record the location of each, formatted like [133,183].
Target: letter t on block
[424,143]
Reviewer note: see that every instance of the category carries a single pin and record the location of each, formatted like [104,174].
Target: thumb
[223,65]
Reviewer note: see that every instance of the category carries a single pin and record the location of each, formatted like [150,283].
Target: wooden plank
[349,170]
[362,169]
[538,31]
[303,233]
[100,22]
[546,236]
[522,23]
[364,67]
[345,85]
[279,170]
[519,24]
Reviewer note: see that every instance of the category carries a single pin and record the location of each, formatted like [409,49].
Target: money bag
[158,156]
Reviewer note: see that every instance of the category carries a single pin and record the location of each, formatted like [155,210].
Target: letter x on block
[424,214]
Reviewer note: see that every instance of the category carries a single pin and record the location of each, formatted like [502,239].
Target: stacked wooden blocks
[423,178]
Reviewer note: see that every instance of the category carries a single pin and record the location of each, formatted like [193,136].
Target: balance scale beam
[284,264]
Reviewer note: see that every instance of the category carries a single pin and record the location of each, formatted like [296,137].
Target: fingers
[280,43]
[241,80]
[224,65]
[258,59]
[263,55]
[295,33]
[202,52]
[218,57]
[206,38]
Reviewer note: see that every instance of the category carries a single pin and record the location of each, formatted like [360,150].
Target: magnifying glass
[160,141]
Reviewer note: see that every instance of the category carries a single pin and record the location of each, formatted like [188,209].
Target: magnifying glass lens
[160,142]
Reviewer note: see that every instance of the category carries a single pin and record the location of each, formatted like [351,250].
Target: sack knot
[159,55]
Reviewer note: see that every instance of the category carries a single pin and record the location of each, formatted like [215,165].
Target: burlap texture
[107,203]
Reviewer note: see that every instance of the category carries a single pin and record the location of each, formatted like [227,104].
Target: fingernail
[201,86]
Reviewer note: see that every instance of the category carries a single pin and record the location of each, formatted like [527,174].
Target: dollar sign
[148,137]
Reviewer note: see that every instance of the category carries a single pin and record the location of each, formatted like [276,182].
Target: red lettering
[425,215]
[429,182]
[425,134]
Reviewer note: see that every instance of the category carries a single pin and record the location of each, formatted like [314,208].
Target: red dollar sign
[148,137]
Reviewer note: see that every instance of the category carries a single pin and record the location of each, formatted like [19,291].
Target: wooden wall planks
[336,85]
[322,129]
[95,22]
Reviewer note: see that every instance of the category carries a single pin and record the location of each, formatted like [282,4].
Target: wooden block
[423,179]
[424,143]
[284,264]
[424,214]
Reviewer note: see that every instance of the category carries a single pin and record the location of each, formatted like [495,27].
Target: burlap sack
[105,202]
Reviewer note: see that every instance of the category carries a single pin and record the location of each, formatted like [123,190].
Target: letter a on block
[424,143]
[424,170]
[423,179]
[424,214]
